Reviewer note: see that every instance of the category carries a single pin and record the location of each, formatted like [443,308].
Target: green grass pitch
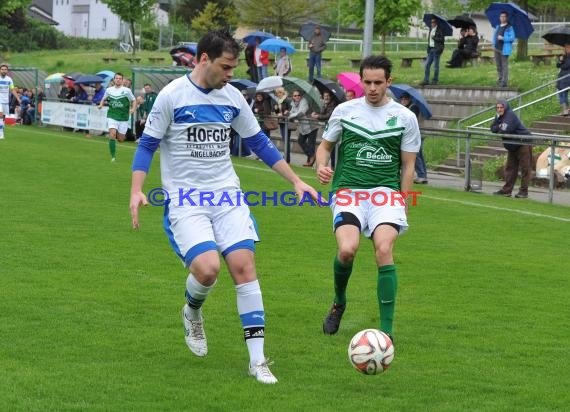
[90,309]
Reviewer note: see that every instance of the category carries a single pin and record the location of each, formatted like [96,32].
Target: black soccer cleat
[332,321]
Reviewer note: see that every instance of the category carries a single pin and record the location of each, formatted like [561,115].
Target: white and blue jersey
[6,87]
[193,125]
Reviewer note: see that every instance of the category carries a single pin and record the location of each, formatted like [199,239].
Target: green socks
[113,147]
[386,292]
[341,275]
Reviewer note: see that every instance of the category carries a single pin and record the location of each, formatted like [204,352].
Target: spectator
[350,94]
[262,109]
[281,108]
[329,105]
[306,128]
[317,45]
[261,60]
[420,165]
[235,138]
[519,154]
[79,95]
[503,39]
[436,44]
[249,52]
[40,97]
[283,65]
[149,98]
[563,64]
[140,122]
[98,93]
[469,50]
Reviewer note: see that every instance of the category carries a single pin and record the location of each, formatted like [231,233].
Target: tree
[9,6]
[276,15]
[131,11]
[390,17]
[215,17]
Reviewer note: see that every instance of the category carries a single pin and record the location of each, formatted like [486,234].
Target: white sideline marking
[267,170]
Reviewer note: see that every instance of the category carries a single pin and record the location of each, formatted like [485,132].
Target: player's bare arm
[407,172]
[324,171]
[137,196]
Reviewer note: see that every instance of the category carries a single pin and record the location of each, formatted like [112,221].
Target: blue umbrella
[250,38]
[89,79]
[417,98]
[242,84]
[275,45]
[441,22]
[107,76]
[518,18]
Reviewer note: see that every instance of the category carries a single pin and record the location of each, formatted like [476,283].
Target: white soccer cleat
[262,373]
[194,335]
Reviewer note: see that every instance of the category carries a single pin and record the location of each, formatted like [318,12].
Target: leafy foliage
[131,11]
[276,15]
[215,17]
[8,7]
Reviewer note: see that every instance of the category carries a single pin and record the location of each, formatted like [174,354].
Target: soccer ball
[371,351]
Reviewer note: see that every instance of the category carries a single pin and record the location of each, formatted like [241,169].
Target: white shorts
[5,109]
[372,207]
[120,126]
[195,229]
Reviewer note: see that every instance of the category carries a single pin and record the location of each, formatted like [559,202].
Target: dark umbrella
[250,38]
[462,21]
[441,22]
[326,85]
[311,94]
[308,29]
[518,18]
[89,79]
[559,35]
[72,75]
[242,84]
[398,89]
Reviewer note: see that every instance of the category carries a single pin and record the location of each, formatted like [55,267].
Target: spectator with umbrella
[561,37]
[317,44]
[503,38]
[436,44]
[261,59]
[283,65]
[467,48]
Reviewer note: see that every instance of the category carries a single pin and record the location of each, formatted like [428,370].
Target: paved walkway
[560,197]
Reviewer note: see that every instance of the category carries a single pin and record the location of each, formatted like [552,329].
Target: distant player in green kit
[378,140]
[122,104]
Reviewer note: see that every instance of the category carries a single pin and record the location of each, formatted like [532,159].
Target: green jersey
[371,142]
[119,100]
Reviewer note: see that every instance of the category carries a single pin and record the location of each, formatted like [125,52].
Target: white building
[91,18]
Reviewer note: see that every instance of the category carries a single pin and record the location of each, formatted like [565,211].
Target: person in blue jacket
[503,39]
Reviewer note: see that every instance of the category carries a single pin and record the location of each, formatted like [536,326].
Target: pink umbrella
[351,81]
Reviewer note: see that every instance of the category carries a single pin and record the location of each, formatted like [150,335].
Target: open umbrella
[351,81]
[441,22]
[308,29]
[398,89]
[311,93]
[462,21]
[88,79]
[107,76]
[242,84]
[269,84]
[326,85]
[275,46]
[518,18]
[250,38]
[54,78]
[559,35]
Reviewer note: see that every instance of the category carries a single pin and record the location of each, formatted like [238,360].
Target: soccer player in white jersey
[190,121]
[378,140]
[122,104]
[6,87]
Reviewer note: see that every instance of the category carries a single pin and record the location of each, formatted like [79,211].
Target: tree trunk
[132,36]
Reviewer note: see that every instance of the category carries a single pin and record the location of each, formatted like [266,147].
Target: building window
[104,24]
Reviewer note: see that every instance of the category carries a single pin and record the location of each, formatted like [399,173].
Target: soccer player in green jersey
[378,140]
[122,104]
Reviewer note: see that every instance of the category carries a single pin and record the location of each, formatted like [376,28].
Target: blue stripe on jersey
[255,318]
[243,244]
[169,234]
[198,250]
[205,113]
[145,150]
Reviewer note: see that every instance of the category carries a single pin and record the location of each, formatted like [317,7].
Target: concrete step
[468,93]
[561,127]
[558,119]
[489,150]
[459,109]
[453,170]
[452,161]
[549,131]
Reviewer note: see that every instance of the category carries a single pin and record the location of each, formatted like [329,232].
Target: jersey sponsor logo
[192,113]
[369,155]
[392,121]
[199,134]
[228,116]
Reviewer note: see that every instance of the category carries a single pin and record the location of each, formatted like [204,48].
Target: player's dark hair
[215,43]
[376,62]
